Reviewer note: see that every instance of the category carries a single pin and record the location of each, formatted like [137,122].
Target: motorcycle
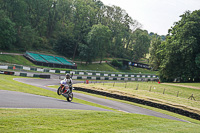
[65,91]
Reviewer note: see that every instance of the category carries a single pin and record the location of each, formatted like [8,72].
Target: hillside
[20,60]
[15,59]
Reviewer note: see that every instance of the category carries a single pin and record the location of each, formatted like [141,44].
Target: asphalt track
[11,99]
[23,100]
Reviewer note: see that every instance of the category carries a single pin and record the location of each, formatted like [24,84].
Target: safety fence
[74,77]
[82,74]
[25,74]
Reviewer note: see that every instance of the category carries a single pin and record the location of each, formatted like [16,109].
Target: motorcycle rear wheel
[70,97]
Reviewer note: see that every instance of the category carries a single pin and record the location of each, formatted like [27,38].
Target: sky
[156,15]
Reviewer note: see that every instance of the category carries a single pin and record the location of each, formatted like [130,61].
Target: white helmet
[67,76]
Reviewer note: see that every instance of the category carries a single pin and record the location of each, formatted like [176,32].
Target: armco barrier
[91,74]
[110,78]
[8,73]
[25,74]
[144,102]
[45,76]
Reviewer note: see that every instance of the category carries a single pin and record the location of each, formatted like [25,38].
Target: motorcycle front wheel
[59,91]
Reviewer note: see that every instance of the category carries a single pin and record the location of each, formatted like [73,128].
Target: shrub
[116,63]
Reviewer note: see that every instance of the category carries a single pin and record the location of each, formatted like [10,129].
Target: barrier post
[164,91]
[150,89]
[177,93]
[125,84]
[137,87]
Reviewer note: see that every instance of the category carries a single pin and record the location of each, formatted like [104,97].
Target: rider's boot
[70,88]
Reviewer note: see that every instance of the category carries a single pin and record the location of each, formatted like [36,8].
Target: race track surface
[45,102]
[12,99]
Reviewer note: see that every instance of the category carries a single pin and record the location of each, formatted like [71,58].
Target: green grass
[96,67]
[139,70]
[53,120]
[15,59]
[154,94]
[143,106]
[106,67]
[76,121]
[20,60]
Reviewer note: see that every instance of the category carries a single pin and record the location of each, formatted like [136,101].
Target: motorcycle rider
[68,81]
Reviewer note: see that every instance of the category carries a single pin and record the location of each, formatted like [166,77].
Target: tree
[65,45]
[28,39]
[70,25]
[85,53]
[121,25]
[99,39]
[141,45]
[7,32]
[84,17]
[197,60]
[16,10]
[156,50]
[182,48]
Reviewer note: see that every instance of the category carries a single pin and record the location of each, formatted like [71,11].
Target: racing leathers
[67,82]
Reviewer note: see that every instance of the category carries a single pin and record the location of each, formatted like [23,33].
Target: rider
[68,81]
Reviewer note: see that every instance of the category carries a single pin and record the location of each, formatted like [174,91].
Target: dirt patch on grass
[182,86]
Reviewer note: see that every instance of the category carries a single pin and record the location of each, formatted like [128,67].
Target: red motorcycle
[65,91]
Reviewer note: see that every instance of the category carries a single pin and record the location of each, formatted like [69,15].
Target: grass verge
[161,93]
[52,120]
[140,105]
[147,107]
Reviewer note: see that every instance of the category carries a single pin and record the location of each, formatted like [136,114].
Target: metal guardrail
[87,75]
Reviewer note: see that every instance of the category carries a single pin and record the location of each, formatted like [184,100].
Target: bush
[116,63]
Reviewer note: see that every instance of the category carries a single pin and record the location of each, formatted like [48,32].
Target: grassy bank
[161,93]
[106,67]
[140,70]
[49,120]
[143,106]
[15,59]
[20,60]
[96,67]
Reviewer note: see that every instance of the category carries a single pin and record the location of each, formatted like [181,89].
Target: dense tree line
[179,56]
[87,29]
